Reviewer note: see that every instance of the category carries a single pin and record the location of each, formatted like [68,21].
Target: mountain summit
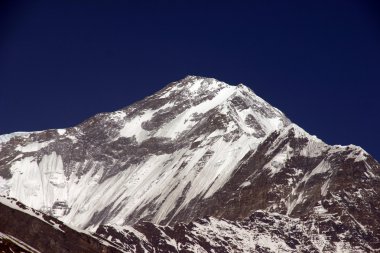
[198,147]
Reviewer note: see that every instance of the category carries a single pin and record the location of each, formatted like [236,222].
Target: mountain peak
[183,103]
[193,87]
[199,84]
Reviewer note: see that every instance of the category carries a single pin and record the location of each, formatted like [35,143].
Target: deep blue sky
[318,61]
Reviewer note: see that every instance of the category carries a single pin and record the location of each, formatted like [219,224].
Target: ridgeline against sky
[62,62]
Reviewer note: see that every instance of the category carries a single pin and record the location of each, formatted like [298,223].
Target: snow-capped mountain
[198,147]
[147,161]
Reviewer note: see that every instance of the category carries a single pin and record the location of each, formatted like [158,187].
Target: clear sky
[317,61]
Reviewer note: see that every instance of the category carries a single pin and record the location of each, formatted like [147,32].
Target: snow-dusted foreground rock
[260,232]
[198,147]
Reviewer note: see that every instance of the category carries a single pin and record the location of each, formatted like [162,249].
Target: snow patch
[7,137]
[33,147]
[61,131]
[325,187]
[245,184]
[133,126]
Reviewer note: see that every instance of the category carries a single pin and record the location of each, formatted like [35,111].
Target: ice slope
[39,185]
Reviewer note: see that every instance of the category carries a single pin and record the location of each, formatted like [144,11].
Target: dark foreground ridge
[23,229]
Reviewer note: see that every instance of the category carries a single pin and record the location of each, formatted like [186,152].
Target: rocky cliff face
[199,147]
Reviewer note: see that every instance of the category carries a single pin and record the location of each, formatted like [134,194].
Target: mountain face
[147,161]
[198,147]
